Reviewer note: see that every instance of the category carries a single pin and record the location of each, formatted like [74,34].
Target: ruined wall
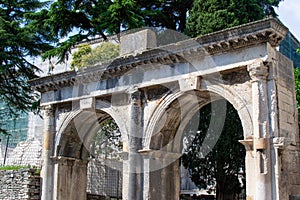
[286,99]
[26,153]
[289,153]
[20,184]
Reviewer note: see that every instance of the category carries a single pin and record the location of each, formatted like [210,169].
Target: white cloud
[289,14]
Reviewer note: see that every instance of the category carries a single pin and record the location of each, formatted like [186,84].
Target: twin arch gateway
[153,91]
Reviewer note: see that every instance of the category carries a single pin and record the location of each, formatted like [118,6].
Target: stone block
[88,103]
[137,42]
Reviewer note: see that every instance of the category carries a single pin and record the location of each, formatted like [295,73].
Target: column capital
[258,70]
[49,110]
[134,95]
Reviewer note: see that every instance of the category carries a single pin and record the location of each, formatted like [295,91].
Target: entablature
[269,30]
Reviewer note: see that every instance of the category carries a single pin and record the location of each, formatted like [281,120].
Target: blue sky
[289,14]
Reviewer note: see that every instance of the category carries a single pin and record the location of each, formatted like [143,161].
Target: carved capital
[258,70]
[134,95]
[49,111]
[280,142]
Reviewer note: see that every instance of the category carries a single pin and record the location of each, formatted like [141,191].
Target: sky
[289,14]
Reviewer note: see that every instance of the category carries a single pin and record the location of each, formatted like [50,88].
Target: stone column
[47,165]
[169,179]
[70,179]
[258,72]
[161,175]
[133,167]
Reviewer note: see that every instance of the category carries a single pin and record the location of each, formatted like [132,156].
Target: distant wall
[20,184]
[104,180]
[26,153]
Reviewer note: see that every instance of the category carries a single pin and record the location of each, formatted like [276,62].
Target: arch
[214,91]
[80,126]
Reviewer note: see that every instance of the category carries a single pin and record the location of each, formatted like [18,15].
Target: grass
[14,167]
[17,167]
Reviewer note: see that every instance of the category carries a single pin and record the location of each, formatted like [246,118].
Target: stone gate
[152,92]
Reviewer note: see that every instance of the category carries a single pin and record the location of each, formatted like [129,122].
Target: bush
[85,56]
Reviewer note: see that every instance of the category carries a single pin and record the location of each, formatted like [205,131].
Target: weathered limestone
[258,72]
[20,184]
[132,43]
[26,153]
[152,94]
[70,178]
[47,172]
[133,169]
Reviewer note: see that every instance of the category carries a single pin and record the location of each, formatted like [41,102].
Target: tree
[297,89]
[170,14]
[106,143]
[86,56]
[102,53]
[207,16]
[84,20]
[220,170]
[77,56]
[18,42]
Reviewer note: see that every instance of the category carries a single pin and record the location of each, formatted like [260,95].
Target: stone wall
[26,153]
[20,184]
[289,155]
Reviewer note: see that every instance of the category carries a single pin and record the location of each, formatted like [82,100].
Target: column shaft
[47,165]
[258,72]
[70,179]
[133,166]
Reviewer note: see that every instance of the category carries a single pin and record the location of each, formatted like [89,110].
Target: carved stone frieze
[258,70]
[268,30]
[53,82]
[235,77]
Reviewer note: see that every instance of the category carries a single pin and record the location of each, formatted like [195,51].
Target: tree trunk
[219,191]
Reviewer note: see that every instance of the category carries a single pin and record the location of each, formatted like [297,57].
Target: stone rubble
[20,184]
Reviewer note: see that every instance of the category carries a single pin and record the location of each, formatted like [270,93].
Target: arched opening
[89,161]
[104,169]
[176,123]
[213,164]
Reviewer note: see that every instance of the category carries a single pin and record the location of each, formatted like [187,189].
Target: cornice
[269,30]
[53,82]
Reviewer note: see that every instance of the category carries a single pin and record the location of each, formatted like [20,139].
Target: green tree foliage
[107,143]
[105,52]
[88,19]
[77,57]
[85,20]
[18,42]
[297,89]
[86,56]
[207,16]
[170,14]
[221,168]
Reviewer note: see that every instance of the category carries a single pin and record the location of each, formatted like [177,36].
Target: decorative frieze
[267,30]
